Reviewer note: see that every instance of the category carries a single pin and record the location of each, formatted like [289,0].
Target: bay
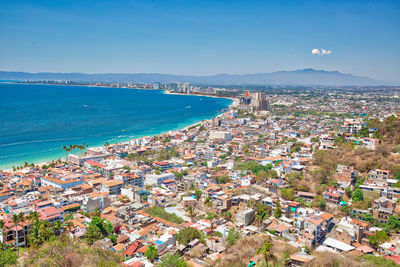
[36,120]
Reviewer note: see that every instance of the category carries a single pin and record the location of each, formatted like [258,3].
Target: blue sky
[201,37]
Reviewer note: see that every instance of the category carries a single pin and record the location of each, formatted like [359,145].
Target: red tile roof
[131,249]
[95,163]
[393,258]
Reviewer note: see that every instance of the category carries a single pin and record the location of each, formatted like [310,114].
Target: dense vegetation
[161,213]
[173,260]
[260,171]
[65,251]
[48,245]
[185,236]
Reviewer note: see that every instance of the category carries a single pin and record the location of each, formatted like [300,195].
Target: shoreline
[185,128]
[165,91]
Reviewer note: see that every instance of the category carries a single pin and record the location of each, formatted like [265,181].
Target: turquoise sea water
[37,120]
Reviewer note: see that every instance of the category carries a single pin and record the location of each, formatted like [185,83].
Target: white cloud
[315,51]
[325,52]
[321,52]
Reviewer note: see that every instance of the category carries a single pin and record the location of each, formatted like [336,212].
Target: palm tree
[58,227]
[2,225]
[68,225]
[22,219]
[4,228]
[151,253]
[286,258]
[191,213]
[15,219]
[35,236]
[265,250]
[33,216]
[212,226]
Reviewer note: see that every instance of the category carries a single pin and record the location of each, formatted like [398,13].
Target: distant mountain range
[306,77]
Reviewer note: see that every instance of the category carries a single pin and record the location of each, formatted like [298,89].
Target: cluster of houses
[123,180]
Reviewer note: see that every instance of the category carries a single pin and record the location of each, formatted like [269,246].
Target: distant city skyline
[201,37]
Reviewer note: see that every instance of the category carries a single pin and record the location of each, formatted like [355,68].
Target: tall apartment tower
[260,101]
[186,87]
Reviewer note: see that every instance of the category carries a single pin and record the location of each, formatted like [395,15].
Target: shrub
[185,236]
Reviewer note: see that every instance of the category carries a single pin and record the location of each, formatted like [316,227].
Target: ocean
[36,120]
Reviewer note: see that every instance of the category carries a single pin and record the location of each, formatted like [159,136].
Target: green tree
[40,232]
[185,236]
[227,215]
[99,223]
[58,227]
[33,216]
[223,179]
[262,176]
[319,202]
[232,237]
[393,223]
[113,239]
[191,213]
[198,194]
[178,175]
[93,233]
[348,191]
[109,227]
[286,258]
[265,250]
[287,193]
[358,195]
[8,257]
[278,210]
[369,218]
[211,215]
[16,219]
[378,238]
[173,260]
[151,253]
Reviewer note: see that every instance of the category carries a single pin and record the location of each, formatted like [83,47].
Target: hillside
[298,77]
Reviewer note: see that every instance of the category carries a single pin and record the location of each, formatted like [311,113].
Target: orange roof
[97,194]
[131,248]
[299,258]
[142,249]
[25,183]
[86,186]
[44,188]
[112,183]
[168,181]
[95,163]
[360,223]
[59,181]
[162,163]
[119,247]
[315,220]
[326,216]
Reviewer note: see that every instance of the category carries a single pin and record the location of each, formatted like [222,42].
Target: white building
[154,179]
[220,136]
